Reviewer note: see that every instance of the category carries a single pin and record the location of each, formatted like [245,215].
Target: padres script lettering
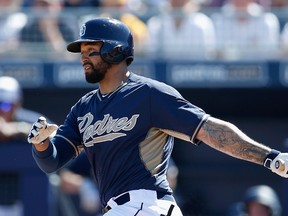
[111,127]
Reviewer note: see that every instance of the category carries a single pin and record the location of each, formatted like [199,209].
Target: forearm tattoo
[227,138]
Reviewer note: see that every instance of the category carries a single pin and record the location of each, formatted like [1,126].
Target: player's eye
[94,54]
[90,53]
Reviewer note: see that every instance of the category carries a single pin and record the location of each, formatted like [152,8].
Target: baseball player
[127,127]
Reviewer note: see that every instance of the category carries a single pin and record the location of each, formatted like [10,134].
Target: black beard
[98,72]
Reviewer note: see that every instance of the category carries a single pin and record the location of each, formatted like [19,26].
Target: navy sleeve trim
[77,152]
[193,139]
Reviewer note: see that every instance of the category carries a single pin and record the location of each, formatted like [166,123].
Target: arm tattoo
[227,138]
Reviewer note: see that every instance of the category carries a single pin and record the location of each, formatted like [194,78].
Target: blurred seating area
[165,29]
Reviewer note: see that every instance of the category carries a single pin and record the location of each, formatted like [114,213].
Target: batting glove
[277,162]
[40,131]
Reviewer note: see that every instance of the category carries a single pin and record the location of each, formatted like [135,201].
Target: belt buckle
[120,200]
[106,209]
[165,196]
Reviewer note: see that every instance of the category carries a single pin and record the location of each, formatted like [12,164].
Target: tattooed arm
[227,138]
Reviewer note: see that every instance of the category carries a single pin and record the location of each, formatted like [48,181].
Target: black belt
[124,198]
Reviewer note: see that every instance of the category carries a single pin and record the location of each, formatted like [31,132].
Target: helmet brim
[75,46]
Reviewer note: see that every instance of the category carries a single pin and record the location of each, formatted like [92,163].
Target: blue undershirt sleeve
[50,160]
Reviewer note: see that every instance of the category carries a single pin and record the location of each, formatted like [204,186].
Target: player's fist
[40,131]
[280,165]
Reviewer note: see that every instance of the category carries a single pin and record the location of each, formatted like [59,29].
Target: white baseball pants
[142,203]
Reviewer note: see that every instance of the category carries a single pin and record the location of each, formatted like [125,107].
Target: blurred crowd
[181,29]
[168,29]
[15,124]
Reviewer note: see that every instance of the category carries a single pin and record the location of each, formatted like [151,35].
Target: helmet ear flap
[112,54]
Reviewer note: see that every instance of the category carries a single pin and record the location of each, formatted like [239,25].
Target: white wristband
[270,157]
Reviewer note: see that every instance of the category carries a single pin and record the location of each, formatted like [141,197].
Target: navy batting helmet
[116,38]
[266,196]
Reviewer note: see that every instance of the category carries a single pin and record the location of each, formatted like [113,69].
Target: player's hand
[40,131]
[280,165]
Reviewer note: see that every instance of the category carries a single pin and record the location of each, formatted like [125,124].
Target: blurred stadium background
[250,90]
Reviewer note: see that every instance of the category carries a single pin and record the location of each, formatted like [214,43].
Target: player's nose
[84,59]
